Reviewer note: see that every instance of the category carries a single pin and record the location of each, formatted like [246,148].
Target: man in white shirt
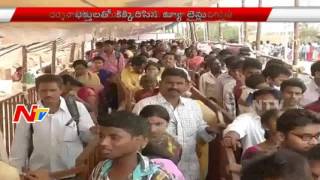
[225,78]
[55,140]
[208,80]
[186,121]
[313,87]
[181,49]
[267,48]
[247,127]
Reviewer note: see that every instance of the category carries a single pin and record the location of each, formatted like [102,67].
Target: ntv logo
[35,114]
[264,105]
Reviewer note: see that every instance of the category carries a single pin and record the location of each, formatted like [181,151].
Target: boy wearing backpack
[54,143]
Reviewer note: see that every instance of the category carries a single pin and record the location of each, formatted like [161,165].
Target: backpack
[75,116]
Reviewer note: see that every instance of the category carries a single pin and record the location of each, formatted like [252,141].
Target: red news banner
[139,14]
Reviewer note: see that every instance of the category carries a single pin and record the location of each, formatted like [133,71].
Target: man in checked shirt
[186,122]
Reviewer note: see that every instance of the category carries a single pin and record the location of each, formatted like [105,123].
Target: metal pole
[24,66]
[82,49]
[258,37]
[192,33]
[72,51]
[208,31]
[188,36]
[92,44]
[40,62]
[244,28]
[296,39]
[24,77]
[53,60]
[220,28]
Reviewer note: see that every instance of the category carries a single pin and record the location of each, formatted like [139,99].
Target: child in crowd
[122,136]
[162,147]
[149,84]
[158,119]
[153,70]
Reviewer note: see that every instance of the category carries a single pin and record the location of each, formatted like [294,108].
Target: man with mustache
[186,121]
[54,143]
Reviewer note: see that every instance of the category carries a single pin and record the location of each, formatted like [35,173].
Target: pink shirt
[114,65]
[195,62]
[169,167]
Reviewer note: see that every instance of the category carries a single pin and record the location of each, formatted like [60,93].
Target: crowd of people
[309,51]
[156,130]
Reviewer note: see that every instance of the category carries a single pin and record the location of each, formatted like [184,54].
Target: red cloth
[250,152]
[310,53]
[195,62]
[85,92]
[237,91]
[315,106]
[141,94]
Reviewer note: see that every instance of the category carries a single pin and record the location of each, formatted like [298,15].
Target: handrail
[64,173]
[231,160]
[18,48]
[197,94]
[8,47]
[45,47]
[87,151]
[10,51]
[220,156]
[39,46]
[89,158]
[7,107]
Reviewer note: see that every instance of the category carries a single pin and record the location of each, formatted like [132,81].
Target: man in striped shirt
[186,119]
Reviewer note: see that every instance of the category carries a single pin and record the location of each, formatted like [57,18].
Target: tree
[230,33]
[214,31]
[200,34]
[308,34]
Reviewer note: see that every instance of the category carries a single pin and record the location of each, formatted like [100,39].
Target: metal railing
[7,108]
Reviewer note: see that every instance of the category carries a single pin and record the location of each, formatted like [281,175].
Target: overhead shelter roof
[25,33]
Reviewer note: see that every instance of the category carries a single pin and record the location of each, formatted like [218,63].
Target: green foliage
[200,33]
[229,32]
[308,33]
